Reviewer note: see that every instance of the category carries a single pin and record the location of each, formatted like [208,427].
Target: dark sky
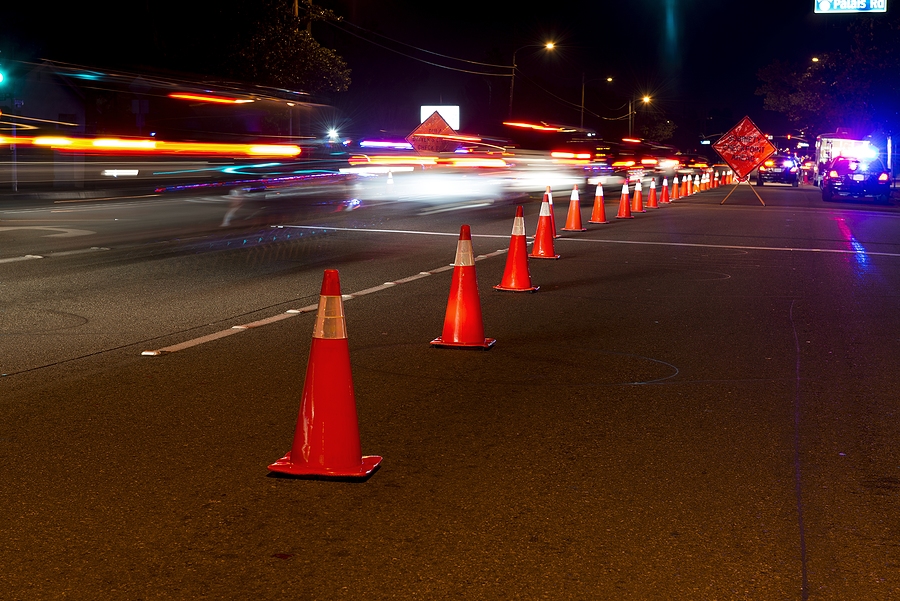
[697,59]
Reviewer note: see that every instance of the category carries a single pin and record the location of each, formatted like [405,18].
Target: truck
[840,143]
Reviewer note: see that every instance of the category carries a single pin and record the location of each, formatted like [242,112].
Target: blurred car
[856,177]
[693,166]
[779,169]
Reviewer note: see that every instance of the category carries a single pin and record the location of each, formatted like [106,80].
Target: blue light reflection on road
[864,267]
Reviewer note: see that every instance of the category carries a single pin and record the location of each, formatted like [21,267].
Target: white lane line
[65,253]
[604,241]
[190,343]
[378,231]
[840,251]
[307,309]
[23,258]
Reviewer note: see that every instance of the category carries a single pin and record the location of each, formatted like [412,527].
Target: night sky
[697,60]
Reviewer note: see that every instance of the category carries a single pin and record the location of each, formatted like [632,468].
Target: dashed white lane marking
[65,253]
[307,309]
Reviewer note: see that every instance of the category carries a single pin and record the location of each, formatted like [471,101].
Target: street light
[631,113]
[512,81]
[608,79]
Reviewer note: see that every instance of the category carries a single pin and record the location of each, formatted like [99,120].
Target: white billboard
[449,113]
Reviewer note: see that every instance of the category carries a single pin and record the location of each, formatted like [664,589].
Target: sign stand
[744,147]
[742,181]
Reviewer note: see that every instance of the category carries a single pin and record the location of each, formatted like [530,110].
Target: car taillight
[832,173]
[884,177]
[762,168]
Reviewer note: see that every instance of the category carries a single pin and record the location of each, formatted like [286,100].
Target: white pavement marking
[309,308]
[62,232]
[65,253]
[377,231]
[24,258]
[841,251]
[422,274]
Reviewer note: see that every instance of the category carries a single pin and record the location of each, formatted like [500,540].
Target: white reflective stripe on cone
[519,226]
[545,209]
[465,257]
[330,322]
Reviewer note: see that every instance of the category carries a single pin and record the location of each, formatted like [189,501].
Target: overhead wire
[463,60]
[433,64]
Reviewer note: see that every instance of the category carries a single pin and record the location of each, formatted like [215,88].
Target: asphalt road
[699,403]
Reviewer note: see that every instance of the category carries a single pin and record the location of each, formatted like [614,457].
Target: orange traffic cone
[637,201]
[552,212]
[326,440]
[463,325]
[651,200]
[516,277]
[543,236]
[598,215]
[715,182]
[675,188]
[685,185]
[624,204]
[573,219]
[664,193]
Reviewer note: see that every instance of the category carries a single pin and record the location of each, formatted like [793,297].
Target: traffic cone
[573,219]
[715,182]
[624,204]
[598,215]
[463,325]
[675,188]
[652,202]
[685,185]
[543,236]
[326,440]
[690,185]
[664,194]
[637,201]
[697,183]
[390,178]
[552,212]
[516,277]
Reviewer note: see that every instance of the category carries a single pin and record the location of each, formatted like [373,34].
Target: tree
[282,52]
[856,88]
[656,127]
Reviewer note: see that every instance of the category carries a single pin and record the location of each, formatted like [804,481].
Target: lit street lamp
[631,113]
[608,79]
[512,81]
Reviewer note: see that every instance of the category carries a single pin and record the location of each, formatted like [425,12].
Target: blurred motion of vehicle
[833,145]
[779,169]
[856,177]
[692,166]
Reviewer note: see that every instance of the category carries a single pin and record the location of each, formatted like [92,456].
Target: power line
[424,50]
[433,64]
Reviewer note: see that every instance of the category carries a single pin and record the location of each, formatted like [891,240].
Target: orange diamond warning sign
[744,148]
[433,135]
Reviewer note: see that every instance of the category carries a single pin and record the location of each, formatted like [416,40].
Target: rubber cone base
[532,289]
[284,466]
[439,343]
